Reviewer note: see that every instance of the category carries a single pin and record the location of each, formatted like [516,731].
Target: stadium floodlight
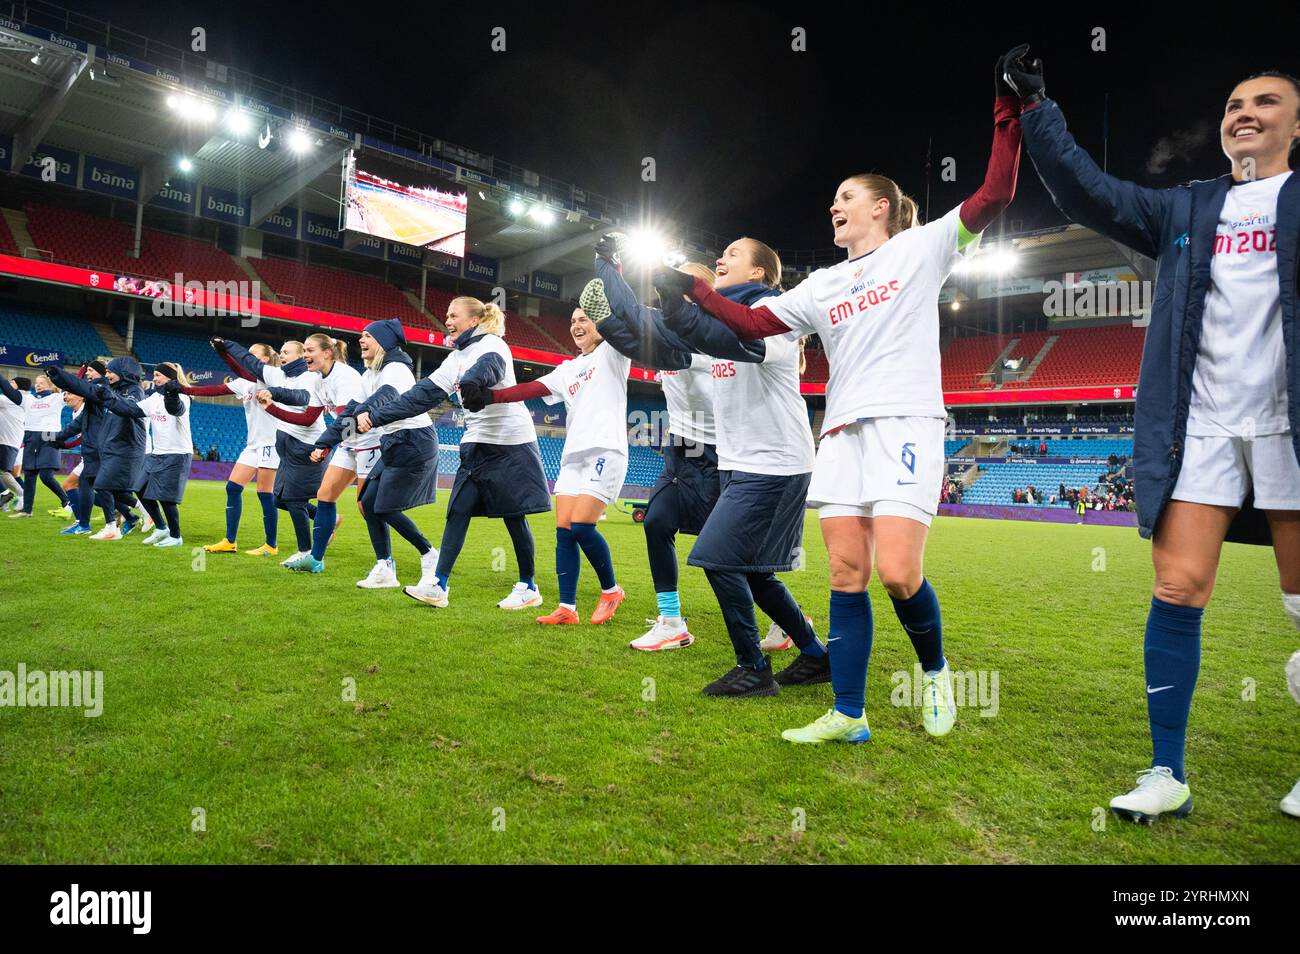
[184,165]
[238,121]
[956,306]
[541,215]
[1003,261]
[36,58]
[516,206]
[190,107]
[645,247]
[298,140]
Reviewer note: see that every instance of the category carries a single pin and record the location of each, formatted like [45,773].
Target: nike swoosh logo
[1157,689]
[906,483]
[832,639]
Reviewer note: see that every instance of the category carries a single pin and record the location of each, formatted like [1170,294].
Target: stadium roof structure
[73,82]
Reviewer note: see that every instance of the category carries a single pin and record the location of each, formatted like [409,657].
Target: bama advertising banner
[64,163]
[111,178]
[481,268]
[447,264]
[370,245]
[547,284]
[321,229]
[178,195]
[221,205]
[406,254]
[281,222]
[26,357]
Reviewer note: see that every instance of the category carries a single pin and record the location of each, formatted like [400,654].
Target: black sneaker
[742,683]
[806,670]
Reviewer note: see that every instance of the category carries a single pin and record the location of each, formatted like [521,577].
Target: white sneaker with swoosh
[1157,792]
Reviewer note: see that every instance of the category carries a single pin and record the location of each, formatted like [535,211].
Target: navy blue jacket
[121,436]
[1175,226]
[636,330]
[705,334]
[92,414]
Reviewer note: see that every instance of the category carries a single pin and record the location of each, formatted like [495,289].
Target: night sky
[750,137]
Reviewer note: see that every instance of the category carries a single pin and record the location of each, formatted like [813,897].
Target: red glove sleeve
[749,323]
[295,417]
[207,390]
[520,392]
[999,186]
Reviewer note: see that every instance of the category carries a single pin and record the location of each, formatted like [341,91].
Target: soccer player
[500,473]
[1216,437]
[67,439]
[298,474]
[11,445]
[170,453]
[337,386]
[765,458]
[89,423]
[42,418]
[687,489]
[121,439]
[593,386]
[406,474]
[258,461]
[880,460]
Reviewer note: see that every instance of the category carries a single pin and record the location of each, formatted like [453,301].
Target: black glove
[171,387]
[669,282]
[1024,78]
[218,344]
[474,397]
[1000,85]
[611,246]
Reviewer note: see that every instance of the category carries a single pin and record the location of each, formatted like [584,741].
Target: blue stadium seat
[49,330]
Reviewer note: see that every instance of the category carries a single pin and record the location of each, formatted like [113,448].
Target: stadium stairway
[1038,358]
[263,289]
[419,306]
[17,222]
[116,343]
[989,377]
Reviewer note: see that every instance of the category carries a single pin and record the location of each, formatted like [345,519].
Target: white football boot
[430,593]
[1157,792]
[938,709]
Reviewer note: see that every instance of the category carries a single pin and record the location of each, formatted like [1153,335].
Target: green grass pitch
[477,736]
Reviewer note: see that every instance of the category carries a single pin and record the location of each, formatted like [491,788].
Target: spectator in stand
[213,455]
[1042,447]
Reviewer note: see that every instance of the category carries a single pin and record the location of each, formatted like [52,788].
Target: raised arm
[206,390]
[245,364]
[711,336]
[77,385]
[8,390]
[631,328]
[306,417]
[1131,214]
[122,407]
[999,185]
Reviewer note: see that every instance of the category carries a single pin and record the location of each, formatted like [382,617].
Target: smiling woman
[1216,440]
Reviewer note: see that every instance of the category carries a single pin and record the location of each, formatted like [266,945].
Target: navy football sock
[270,518]
[567,565]
[234,509]
[596,550]
[848,641]
[1172,654]
[323,527]
[920,616]
[74,500]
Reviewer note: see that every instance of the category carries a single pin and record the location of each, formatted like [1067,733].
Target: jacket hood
[126,368]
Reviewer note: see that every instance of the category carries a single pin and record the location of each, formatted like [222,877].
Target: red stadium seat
[336,290]
[965,359]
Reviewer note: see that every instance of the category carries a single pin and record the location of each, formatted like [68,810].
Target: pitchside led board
[401,204]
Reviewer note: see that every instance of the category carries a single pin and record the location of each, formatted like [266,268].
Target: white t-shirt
[878,318]
[307,381]
[1239,383]
[593,388]
[337,389]
[11,422]
[501,424]
[259,425]
[398,375]
[689,396]
[761,419]
[43,413]
[167,434]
